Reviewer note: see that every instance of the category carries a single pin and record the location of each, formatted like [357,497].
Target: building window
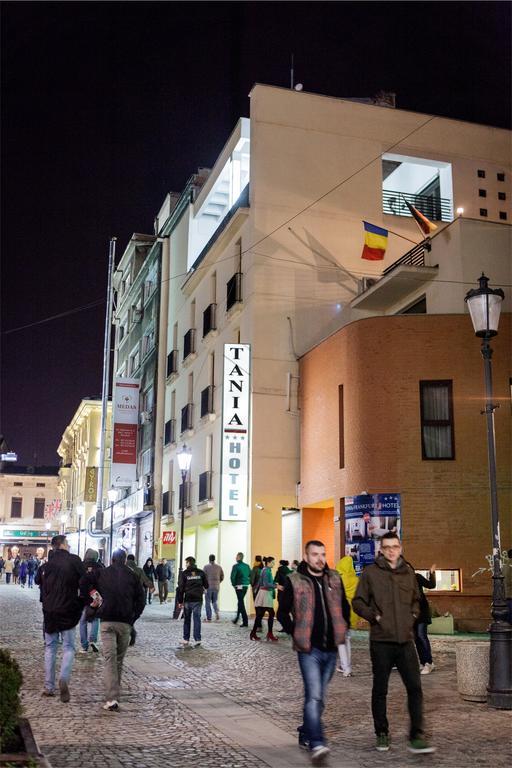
[483,211]
[500,176]
[503,216]
[15,506]
[502,196]
[419,307]
[40,485]
[482,193]
[341,426]
[437,431]
[234,290]
[165,503]
[480,174]
[446,580]
[39,509]
[205,486]
[170,432]
[20,485]
[134,360]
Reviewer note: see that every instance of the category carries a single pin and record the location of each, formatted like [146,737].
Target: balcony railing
[434,208]
[186,418]
[234,290]
[189,343]
[172,362]
[414,258]
[209,319]
[205,486]
[207,400]
[170,432]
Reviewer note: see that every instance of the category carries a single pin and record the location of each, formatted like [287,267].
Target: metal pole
[104,393]
[499,690]
[79,527]
[182,533]
[111,539]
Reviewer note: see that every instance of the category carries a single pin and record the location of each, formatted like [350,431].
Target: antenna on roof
[291,73]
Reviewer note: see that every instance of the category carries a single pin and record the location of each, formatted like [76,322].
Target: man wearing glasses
[388,598]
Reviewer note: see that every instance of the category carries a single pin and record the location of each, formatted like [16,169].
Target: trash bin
[472,660]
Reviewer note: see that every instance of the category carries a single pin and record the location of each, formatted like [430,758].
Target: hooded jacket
[392,594]
[62,605]
[122,593]
[346,570]
[192,585]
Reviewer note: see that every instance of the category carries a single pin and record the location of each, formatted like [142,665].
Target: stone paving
[233,703]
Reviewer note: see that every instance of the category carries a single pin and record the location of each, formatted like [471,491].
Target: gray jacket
[214,574]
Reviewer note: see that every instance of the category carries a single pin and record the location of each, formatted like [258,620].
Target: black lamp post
[484,306]
[184,461]
[112,497]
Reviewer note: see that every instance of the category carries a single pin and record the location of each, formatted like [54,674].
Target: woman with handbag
[264,601]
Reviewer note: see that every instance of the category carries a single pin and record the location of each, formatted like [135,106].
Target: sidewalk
[233,703]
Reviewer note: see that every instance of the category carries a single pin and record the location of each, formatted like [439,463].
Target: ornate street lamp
[484,306]
[112,497]
[184,461]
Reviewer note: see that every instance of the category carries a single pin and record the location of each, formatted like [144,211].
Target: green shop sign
[8,533]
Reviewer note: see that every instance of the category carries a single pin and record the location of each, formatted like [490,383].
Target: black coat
[192,585]
[121,590]
[425,617]
[163,572]
[62,605]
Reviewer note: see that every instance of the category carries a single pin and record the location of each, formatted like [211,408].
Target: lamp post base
[499,690]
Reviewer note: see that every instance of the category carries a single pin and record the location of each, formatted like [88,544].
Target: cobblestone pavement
[259,683]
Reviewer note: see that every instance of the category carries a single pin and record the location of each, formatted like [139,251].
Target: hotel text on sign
[235,431]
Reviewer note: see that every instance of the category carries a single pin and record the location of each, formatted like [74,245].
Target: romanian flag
[423,223]
[375,242]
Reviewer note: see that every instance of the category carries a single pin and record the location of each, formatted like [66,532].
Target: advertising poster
[125,416]
[235,432]
[367,518]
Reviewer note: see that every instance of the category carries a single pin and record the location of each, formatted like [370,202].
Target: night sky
[108,106]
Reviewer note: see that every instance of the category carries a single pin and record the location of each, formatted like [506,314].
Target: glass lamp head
[184,459]
[484,305]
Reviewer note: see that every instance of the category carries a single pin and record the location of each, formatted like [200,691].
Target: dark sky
[108,106]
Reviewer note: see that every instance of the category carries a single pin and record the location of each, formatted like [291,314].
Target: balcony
[185,495]
[172,363]
[205,486]
[433,207]
[170,432]
[207,401]
[186,418]
[189,343]
[234,291]
[209,319]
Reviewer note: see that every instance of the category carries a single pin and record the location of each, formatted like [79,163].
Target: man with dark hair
[132,565]
[62,608]
[122,602]
[191,588]
[388,597]
[314,595]
[241,580]
[214,575]
[163,574]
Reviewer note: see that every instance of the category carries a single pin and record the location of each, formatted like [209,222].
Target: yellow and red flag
[375,242]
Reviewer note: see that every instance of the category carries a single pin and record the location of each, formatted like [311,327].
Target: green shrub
[10,705]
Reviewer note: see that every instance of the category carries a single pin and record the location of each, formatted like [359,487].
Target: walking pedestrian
[9,568]
[191,588]
[23,572]
[388,597]
[280,579]
[241,579]
[31,571]
[16,570]
[264,602]
[122,604]
[147,584]
[314,595]
[163,574]
[255,574]
[149,570]
[89,621]
[346,570]
[62,608]
[2,564]
[421,624]
[214,575]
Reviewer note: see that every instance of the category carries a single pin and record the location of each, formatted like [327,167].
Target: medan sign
[235,432]
[125,416]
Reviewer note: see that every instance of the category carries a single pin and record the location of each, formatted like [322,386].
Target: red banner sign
[169,537]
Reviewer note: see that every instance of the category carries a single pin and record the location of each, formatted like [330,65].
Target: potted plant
[18,747]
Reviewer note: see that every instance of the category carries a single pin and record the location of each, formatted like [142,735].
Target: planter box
[31,756]
[442,625]
[472,659]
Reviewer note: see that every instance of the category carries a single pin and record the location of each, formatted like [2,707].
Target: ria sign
[235,432]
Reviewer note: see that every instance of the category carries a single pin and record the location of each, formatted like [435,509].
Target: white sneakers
[111,706]
[427,668]
[318,754]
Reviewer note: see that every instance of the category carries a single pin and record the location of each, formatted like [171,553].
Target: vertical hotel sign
[235,432]
[124,434]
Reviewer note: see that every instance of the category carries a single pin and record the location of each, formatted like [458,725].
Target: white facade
[28,501]
[295,237]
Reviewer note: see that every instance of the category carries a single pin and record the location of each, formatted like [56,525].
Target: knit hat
[91,554]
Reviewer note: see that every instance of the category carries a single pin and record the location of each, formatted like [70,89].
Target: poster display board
[367,518]
[125,417]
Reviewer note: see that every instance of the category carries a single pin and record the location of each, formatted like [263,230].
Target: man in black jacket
[163,574]
[122,604]
[62,608]
[191,588]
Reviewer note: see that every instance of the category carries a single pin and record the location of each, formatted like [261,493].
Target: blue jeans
[50,656]
[31,580]
[317,668]
[192,611]
[422,643]
[211,599]
[88,631]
